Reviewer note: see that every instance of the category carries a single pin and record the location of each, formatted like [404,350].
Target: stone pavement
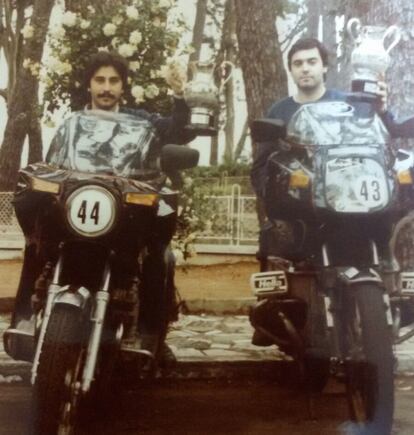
[210,346]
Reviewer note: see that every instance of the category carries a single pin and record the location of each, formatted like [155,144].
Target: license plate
[407,283]
[268,283]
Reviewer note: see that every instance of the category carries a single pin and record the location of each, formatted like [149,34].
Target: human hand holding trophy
[370,58]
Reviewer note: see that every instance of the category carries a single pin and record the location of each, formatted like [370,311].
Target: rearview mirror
[178,157]
[263,130]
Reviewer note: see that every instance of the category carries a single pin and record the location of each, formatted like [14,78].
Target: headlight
[44,185]
[298,179]
[404,177]
[141,199]
[91,211]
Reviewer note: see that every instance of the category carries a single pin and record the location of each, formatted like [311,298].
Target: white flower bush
[126,50]
[151,91]
[135,37]
[138,31]
[109,29]
[132,12]
[138,93]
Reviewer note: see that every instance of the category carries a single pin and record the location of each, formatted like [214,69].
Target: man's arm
[172,128]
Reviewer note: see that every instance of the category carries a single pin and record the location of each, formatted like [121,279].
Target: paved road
[215,407]
[232,404]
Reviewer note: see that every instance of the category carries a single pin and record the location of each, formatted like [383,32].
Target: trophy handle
[354,29]
[222,66]
[396,32]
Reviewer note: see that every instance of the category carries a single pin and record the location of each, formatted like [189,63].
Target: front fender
[351,276]
[77,297]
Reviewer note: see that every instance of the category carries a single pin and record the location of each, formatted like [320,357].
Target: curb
[281,370]
[236,306]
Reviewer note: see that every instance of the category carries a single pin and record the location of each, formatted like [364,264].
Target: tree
[264,76]
[260,55]
[228,44]
[23,106]
[198,32]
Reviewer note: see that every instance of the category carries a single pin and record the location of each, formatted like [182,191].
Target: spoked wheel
[57,387]
[369,367]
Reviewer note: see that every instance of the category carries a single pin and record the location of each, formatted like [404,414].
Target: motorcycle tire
[370,381]
[55,400]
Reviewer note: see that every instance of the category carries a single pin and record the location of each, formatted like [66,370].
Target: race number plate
[407,283]
[356,185]
[268,283]
[91,211]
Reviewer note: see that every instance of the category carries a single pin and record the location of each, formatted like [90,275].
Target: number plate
[267,283]
[407,283]
[356,185]
[91,211]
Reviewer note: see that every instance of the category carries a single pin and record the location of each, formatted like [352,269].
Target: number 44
[83,212]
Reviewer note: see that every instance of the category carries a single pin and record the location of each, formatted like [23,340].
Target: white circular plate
[91,211]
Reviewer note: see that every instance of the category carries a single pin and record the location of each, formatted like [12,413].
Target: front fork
[346,278]
[58,294]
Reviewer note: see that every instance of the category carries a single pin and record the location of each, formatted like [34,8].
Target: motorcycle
[88,214]
[330,293]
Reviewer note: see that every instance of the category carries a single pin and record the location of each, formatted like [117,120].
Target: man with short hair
[308,65]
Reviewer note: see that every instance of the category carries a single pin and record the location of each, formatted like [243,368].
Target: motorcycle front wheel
[369,361]
[56,390]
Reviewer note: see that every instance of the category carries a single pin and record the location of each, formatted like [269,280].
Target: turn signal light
[141,199]
[404,177]
[299,179]
[45,186]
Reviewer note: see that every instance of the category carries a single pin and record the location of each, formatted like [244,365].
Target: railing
[11,236]
[232,229]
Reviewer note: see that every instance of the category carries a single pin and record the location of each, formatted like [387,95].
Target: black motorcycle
[89,214]
[329,291]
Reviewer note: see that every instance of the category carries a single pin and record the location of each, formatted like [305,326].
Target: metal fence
[11,235]
[233,227]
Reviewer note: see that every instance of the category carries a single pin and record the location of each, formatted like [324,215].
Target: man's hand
[176,77]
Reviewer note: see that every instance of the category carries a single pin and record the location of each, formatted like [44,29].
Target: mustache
[106,94]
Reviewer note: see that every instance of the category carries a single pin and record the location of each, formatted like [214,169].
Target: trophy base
[202,123]
[368,86]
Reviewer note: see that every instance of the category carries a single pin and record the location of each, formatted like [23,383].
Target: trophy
[202,96]
[370,58]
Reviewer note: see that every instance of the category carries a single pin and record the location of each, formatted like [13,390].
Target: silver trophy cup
[202,97]
[370,58]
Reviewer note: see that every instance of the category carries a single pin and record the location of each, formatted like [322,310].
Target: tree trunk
[348,9]
[198,33]
[241,142]
[329,14]
[261,61]
[229,46]
[23,105]
[314,12]
[260,55]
